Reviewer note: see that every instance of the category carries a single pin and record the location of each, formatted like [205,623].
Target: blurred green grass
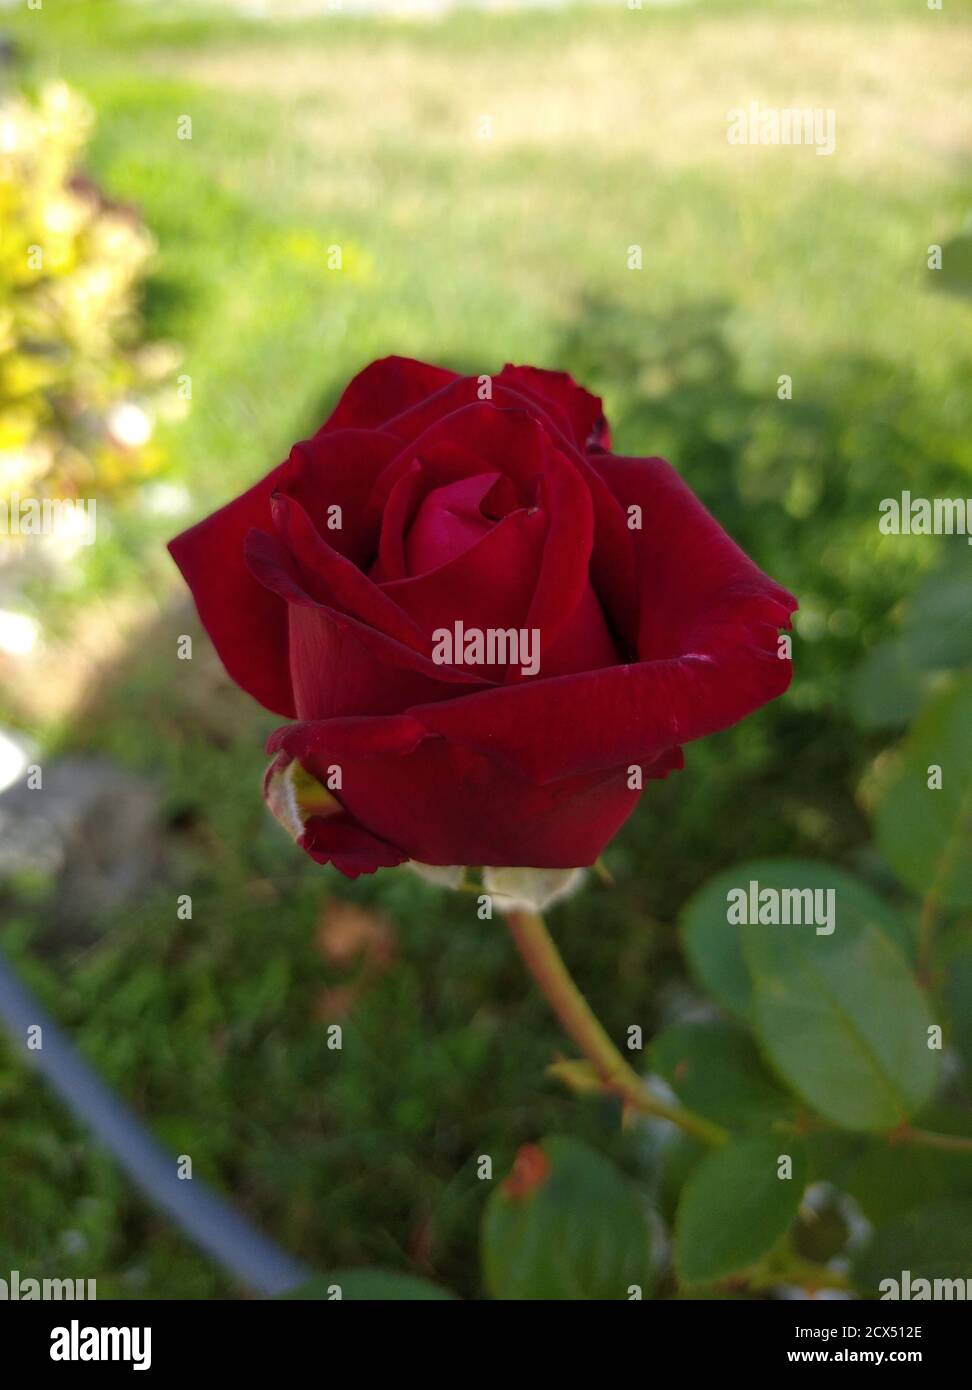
[609,130]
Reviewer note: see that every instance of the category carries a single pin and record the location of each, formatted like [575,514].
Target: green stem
[959,1143]
[578,1020]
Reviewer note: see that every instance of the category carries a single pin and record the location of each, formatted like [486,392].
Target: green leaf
[897,677]
[679,1155]
[715,1069]
[931,1243]
[925,833]
[886,689]
[566,1225]
[937,631]
[831,1153]
[369,1285]
[713,946]
[735,1207]
[888,1181]
[957,999]
[839,1016]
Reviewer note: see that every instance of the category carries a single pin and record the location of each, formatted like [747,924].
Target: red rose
[588,645]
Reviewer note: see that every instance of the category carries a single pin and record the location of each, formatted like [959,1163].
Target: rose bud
[487,631]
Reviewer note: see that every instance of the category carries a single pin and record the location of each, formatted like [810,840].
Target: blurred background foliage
[70,276]
[608,130]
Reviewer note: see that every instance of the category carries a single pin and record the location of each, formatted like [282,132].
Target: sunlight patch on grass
[900,92]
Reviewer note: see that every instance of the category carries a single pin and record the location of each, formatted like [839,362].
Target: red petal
[329,579]
[697,589]
[246,621]
[340,469]
[489,585]
[582,413]
[447,523]
[708,639]
[384,389]
[339,665]
[348,846]
[612,567]
[614,717]
[478,440]
[444,804]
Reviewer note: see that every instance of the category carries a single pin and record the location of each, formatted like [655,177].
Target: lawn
[485,178]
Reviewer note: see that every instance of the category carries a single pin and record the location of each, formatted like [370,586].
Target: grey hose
[205,1218]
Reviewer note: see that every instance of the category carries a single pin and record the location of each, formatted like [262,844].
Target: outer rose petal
[559,392]
[612,718]
[246,621]
[413,791]
[388,389]
[443,804]
[697,589]
[348,846]
[385,389]
[320,825]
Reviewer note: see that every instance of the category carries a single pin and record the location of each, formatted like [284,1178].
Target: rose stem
[959,1143]
[544,961]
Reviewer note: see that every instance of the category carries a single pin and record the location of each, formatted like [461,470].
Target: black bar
[721,1335]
